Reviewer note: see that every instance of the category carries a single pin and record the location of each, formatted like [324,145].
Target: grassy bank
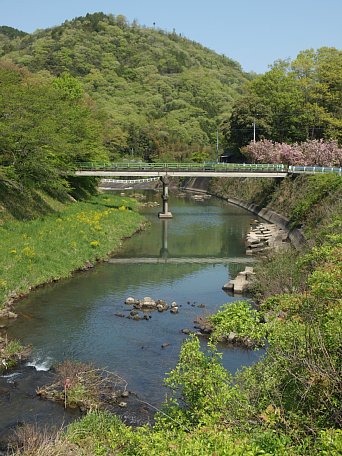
[310,202]
[50,248]
[287,404]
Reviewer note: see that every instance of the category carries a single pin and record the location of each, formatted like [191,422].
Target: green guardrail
[247,167]
[98,166]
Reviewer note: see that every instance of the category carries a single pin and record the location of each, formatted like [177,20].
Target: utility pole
[217,146]
[254,131]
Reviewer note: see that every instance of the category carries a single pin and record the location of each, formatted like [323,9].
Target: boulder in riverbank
[242,282]
[7,314]
[263,237]
[148,304]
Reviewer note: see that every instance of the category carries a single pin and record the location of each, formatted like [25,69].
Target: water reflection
[78,318]
[164,252]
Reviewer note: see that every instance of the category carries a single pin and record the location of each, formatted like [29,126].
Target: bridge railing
[315,170]
[224,167]
[117,166]
[131,181]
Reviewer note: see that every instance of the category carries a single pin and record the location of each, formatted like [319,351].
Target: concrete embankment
[202,185]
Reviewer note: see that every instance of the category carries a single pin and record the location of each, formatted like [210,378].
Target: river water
[76,318]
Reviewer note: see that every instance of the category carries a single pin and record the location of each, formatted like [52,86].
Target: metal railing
[130,181]
[98,166]
[315,170]
[219,167]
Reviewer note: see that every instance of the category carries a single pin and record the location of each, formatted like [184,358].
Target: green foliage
[286,404]
[310,202]
[257,191]
[13,347]
[45,128]
[240,319]
[86,232]
[157,95]
[70,87]
[11,352]
[163,94]
[99,432]
[278,274]
[202,383]
[317,189]
[292,102]
[11,32]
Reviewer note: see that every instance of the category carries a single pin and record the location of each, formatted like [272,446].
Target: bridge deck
[141,169]
[172,173]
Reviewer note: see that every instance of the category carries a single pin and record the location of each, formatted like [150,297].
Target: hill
[163,95]
[11,32]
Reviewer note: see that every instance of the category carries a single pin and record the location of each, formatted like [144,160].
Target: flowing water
[186,259]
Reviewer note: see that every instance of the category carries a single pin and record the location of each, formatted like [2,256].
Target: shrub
[240,319]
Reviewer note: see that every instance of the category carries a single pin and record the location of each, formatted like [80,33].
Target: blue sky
[253,32]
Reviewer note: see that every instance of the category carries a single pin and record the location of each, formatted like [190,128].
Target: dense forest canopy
[98,87]
[293,101]
[164,95]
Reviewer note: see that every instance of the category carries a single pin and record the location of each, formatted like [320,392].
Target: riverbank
[301,205]
[52,248]
[48,249]
[286,404]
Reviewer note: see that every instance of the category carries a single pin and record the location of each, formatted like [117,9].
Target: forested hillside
[294,101]
[164,96]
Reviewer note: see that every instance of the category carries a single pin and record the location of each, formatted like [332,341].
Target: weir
[183,260]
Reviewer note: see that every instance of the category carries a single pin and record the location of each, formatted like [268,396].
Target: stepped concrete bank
[295,235]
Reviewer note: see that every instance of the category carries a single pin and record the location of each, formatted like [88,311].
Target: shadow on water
[78,318]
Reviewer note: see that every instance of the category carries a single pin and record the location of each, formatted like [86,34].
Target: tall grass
[48,249]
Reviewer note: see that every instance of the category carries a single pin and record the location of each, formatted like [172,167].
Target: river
[185,259]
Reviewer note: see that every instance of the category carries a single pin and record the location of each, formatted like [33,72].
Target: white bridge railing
[130,181]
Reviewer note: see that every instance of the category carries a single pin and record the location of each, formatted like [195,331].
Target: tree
[247,110]
[46,126]
[296,101]
[171,90]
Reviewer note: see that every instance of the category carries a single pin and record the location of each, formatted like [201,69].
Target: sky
[255,33]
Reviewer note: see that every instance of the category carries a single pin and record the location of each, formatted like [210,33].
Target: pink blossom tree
[308,153]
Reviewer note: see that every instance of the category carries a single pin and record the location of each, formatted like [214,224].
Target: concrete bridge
[181,169]
[166,170]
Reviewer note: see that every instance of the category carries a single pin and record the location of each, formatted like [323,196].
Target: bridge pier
[166,214]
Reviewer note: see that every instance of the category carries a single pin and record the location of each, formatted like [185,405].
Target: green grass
[47,249]
[11,352]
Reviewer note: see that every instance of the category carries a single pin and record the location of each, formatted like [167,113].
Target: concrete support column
[166,214]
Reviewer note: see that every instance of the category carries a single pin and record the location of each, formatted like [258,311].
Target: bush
[240,319]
